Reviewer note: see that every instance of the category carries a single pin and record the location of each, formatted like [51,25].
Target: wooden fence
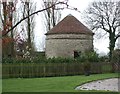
[29,70]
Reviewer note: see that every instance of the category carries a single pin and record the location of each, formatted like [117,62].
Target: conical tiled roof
[70,25]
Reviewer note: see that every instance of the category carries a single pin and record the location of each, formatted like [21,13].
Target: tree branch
[117,36]
[102,23]
[6,32]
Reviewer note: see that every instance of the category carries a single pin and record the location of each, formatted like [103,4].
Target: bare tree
[36,12]
[63,4]
[106,16]
[51,15]
[29,23]
[7,25]
[7,10]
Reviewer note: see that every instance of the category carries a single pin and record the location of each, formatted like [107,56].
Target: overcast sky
[100,44]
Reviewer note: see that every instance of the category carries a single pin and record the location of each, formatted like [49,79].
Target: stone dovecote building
[69,38]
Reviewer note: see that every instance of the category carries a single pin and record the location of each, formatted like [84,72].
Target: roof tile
[70,25]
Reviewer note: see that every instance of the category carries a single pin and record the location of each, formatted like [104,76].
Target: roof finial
[70,15]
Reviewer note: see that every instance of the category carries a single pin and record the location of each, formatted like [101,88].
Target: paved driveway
[112,84]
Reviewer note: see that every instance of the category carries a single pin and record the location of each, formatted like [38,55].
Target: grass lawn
[50,84]
[0,86]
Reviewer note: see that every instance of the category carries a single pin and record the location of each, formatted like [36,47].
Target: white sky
[100,44]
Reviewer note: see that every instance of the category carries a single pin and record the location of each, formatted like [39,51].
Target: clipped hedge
[39,60]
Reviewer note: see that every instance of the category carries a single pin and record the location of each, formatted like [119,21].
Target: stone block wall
[64,45]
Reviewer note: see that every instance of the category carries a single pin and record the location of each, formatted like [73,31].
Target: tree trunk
[12,46]
[12,35]
[4,15]
[29,29]
[111,44]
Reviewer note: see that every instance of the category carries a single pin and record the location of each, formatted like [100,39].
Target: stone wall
[64,45]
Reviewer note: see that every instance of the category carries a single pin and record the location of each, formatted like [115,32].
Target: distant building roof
[70,25]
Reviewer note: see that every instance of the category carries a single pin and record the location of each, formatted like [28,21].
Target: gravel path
[107,85]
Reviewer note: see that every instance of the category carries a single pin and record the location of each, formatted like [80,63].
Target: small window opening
[77,54]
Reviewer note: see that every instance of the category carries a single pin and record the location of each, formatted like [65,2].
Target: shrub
[60,60]
[38,60]
[89,56]
[87,68]
[7,60]
[116,56]
[103,58]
